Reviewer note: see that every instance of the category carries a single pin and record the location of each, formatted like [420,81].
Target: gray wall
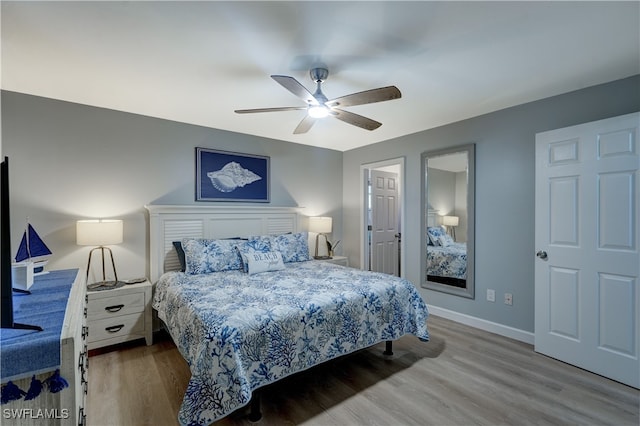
[505,146]
[442,191]
[70,162]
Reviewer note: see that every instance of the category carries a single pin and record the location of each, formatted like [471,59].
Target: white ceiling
[196,62]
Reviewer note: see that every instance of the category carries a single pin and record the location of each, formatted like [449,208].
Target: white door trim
[364,261]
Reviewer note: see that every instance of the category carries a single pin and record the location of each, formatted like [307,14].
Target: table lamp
[451,222]
[100,233]
[321,225]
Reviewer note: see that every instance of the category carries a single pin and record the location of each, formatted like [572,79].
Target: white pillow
[445,240]
[263,262]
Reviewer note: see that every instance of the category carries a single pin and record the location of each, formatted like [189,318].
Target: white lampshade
[320,224]
[450,220]
[99,232]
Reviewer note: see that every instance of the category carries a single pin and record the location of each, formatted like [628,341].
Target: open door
[382,217]
[385,232]
[587,300]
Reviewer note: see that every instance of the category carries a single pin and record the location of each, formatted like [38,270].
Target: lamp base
[104,284]
[322,257]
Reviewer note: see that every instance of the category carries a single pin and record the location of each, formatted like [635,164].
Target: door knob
[542,254]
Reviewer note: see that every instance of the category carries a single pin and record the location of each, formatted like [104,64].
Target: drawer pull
[114,328]
[114,308]
[82,417]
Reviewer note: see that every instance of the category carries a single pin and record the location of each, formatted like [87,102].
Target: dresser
[57,304]
[119,315]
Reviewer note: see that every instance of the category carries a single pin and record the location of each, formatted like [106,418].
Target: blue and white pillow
[203,256]
[434,233]
[259,244]
[293,247]
[258,262]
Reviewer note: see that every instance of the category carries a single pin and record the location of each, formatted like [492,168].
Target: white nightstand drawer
[121,326]
[116,305]
[119,315]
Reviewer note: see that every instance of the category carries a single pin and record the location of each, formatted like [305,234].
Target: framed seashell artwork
[231,176]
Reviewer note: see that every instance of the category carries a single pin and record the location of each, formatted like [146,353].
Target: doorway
[382,217]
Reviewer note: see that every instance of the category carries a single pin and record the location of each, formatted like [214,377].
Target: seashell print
[231,176]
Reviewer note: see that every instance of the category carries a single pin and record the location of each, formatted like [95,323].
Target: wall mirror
[448,191]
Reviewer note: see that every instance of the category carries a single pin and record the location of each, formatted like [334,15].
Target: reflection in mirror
[448,212]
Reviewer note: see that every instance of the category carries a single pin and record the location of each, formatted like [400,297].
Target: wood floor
[463,376]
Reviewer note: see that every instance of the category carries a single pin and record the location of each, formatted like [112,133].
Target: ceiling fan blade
[247,111]
[355,119]
[367,97]
[304,125]
[294,86]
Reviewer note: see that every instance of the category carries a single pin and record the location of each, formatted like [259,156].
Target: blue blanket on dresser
[239,332]
[27,352]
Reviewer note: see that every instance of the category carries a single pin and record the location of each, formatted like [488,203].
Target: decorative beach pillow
[203,256]
[258,262]
[445,240]
[259,244]
[293,247]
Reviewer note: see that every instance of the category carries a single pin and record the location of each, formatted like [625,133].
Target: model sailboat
[33,254]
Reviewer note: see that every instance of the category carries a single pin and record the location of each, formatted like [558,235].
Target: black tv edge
[6,283]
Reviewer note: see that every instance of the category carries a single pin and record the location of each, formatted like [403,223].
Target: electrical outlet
[508,299]
[491,295]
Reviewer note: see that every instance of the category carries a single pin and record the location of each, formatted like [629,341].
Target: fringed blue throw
[34,389]
[27,352]
[11,392]
[54,384]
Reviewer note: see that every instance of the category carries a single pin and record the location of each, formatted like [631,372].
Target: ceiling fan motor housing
[319,74]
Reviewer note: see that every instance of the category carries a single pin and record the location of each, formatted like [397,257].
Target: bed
[446,259]
[248,325]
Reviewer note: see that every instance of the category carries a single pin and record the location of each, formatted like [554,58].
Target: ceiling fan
[318,106]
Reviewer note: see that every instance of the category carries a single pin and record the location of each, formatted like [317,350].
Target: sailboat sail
[31,247]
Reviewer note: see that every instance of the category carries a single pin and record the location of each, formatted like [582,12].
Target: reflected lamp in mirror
[451,222]
[321,225]
[100,233]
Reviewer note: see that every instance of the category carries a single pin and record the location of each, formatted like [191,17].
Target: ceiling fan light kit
[318,111]
[318,106]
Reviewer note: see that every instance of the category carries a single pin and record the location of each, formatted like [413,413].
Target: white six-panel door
[587,233]
[384,226]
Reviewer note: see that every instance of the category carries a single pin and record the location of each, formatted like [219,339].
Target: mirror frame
[469,291]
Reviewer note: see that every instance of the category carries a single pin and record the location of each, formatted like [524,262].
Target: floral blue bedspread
[449,261]
[239,332]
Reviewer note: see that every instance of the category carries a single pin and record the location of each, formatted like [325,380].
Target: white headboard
[172,223]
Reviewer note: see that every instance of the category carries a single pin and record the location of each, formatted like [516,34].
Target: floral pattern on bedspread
[239,332]
[449,261]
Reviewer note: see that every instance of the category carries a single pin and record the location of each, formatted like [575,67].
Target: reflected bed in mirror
[448,210]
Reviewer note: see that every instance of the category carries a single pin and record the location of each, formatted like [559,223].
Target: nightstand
[119,315]
[338,260]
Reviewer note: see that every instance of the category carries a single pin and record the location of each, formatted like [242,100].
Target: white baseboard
[492,327]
